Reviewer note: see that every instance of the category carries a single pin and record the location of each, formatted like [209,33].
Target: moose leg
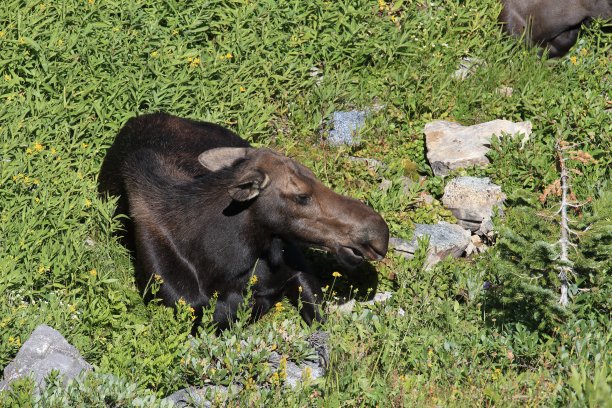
[562,43]
[304,291]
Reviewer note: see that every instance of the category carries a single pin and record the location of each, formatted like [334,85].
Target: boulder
[453,146]
[46,350]
[472,201]
[444,239]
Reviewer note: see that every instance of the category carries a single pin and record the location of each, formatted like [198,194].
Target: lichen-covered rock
[453,146]
[444,239]
[472,201]
[46,350]
[346,126]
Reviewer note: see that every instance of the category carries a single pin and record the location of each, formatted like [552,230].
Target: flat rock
[453,146]
[348,307]
[444,239]
[472,201]
[46,350]
[200,396]
[346,126]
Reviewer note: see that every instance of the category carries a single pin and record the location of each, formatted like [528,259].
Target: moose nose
[377,238]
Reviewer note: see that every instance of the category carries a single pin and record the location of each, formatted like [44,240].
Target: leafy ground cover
[72,72]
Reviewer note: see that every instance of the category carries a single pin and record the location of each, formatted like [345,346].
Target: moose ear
[216,159]
[249,186]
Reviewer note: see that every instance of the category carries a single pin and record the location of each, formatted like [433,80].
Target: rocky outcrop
[46,350]
[472,201]
[453,146]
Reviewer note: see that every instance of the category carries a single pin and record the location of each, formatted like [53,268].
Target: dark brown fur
[205,219]
[551,24]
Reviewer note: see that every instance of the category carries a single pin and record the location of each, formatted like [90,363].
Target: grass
[72,72]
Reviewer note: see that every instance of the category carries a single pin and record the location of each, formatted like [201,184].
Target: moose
[209,215]
[551,24]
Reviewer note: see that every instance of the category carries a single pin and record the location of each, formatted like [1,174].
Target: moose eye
[302,199]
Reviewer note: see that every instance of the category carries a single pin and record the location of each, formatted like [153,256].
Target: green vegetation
[72,72]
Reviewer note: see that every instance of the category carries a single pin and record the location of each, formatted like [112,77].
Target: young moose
[551,24]
[207,212]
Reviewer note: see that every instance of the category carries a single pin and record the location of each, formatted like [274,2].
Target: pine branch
[564,242]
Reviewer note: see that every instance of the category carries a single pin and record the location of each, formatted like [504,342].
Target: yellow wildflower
[193,62]
[250,384]
[93,272]
[229,55]
[2,33]
[574,60]
[300,289]
[584,52]
[307,373]
[274,379]
[158,278]
[282,365]
[72,308]
[253,280]
[154,54]
[181,301]
[7,77]
[84,145]
[242,89]
[53,151]
[42,6]
[278,307]
[87,203]
[29,151]
[91,1]
[336,274]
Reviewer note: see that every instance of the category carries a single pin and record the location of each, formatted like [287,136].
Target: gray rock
[46,350]
[444,239]
[506,91]
[385,185]
[371,164]
[475,246]
[472,200]
[306,371]
[206,397]
[453,146]
[350,305]
[346,127]
[319,341]
[467,66]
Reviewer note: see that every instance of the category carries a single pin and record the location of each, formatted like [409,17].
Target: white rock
[453,146]
[472,201]
[46,350]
